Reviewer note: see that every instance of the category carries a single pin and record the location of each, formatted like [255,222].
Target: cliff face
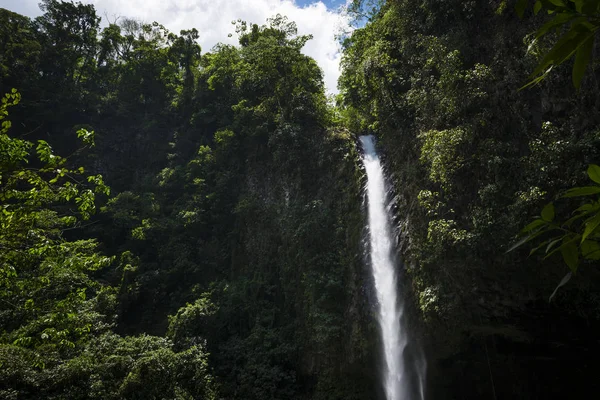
[299,277]
[472,160]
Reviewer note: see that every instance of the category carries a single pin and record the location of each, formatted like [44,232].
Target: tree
[56,340]
[48,298]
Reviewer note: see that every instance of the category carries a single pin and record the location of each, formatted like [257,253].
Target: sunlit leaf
[594,172]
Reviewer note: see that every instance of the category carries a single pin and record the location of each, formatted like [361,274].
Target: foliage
[44,277]
[582,19]
[111,367]
[56,317]
[576,238]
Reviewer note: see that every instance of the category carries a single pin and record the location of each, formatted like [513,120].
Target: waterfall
[400,380]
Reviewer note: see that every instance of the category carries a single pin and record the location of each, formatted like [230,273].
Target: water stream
[400,381]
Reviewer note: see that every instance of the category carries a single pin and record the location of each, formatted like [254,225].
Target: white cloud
[213,19]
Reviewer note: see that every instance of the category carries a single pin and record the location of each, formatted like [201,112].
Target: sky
[212,18]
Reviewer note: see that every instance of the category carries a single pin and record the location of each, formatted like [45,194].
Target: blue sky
[213,18]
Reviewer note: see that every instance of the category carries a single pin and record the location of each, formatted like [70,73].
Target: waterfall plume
[400,381]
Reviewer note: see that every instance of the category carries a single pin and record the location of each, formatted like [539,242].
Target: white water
[396,380]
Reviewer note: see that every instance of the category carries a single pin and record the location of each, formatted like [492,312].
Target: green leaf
[591,226]
[538,247]
[563,49]
[558,3]
[590,250]
[562,283]
[552,244]
[559,20]
[525,240]
[535,224]
[548,212]
[520,7]
[588,7]
[585,207]
[537,80]
[583,214]
[537,7]
[578,4]
[582,59]
[582,191]
[594,172]
[570,254]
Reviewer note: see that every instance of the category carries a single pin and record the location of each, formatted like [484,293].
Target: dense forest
[179,223]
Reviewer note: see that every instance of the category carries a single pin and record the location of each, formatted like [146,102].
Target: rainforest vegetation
[187,223]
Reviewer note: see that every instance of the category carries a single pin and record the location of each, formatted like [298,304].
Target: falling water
[399,378]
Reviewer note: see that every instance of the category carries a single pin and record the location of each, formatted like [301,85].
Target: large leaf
[564,49]
[590,250]
[594,172]
[544,243]
[585,207]
[570,254]
[537,7]
[548,212]
[582,191]
[562,283]
[552,244]
[564,239]
[578,4]
[520,7]
[591,226]
[556,22]
[535,224]
[525,240]
[553,5]
[582,59]
[569,222]
[588,7]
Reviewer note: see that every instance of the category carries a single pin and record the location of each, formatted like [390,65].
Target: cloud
[213,19]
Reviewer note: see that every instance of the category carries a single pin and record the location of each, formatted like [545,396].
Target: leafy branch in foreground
[45,283]
[583,19]
[577,238]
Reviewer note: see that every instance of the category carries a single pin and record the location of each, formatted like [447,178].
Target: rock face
[300,235]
